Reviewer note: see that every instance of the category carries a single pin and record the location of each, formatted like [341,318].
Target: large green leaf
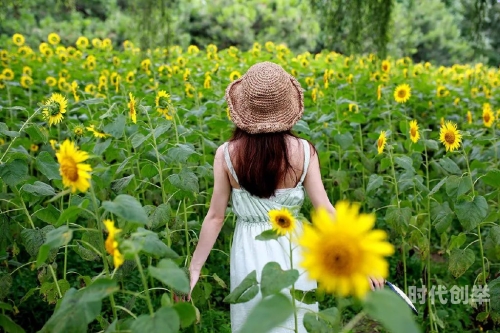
[270,312]
[13,172]
[492,178]
[247,289]
[344,140]
[185,180]
[391,311]
[152,245]
[159,216]
[165,320]
[492,244]
[460,261]
[36,135]
[405,162]
[99,289]
[450,166]
[374,182]
[274,279]
[55,239]
[186,312]
[49,214]
[46,164]
[180,153]
[267,235]
[9,325]
[457,186]
[128,208]
[170,274]
[39,189]
[471,213]
[5,131]
[494,287]
[116,127]
[442,216]
[398,218]
[33,239]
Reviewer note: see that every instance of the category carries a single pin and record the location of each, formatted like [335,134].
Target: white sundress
[248,254]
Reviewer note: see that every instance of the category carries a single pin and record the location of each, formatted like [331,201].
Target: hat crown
[267,87]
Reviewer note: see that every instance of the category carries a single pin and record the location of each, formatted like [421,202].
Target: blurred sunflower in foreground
[341,252]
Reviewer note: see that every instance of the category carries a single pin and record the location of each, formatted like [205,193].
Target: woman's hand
[376,283]
[194,276]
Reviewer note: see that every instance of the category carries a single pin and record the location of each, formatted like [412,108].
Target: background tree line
[440,31]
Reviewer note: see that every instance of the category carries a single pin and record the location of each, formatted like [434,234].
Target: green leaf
[119,184]
[68,214]
[267,235]
[9,325]
[260,320]
[457,241]
[73,315]
[33,239]
[344,140]
[128,208]
[180,154]
[138,139]
[101,146]
[450,166]
[36,135]
[398,218]
[431,144]
[5,284]
[160,216]
[185,180]
[391,311]
[160,129]
[165,320]
[150,244]
[442,216]
[99,289]
[247,290]
[471,213]
[492,178]
[49,214]
[171,275]
[460,261]
[274,279]
[494,287]
[320,323]
[457,186]
[39,189]
[116,127]
[13,172]
[47,166]
[405,162]
[186,312]
[438,186]
[55,239]
[5,131]
[306,297]
[492,244]
[374,182]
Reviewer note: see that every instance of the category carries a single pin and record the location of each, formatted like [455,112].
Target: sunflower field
[106,173]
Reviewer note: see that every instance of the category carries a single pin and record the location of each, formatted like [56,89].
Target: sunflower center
[413,131]
[486,117]
[402,93]
[54,108]
[69,169]
[283,222]
[341,259]
[449,137]
[380,143]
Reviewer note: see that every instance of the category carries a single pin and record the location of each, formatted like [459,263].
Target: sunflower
[193,49]
[382,140]
[26,81]
[488,115]
[474,92]
[386,66]
[96,132]
[414,133]
[189,89]
[282,221]
[8,74]
[97,43]
[54,38]
[78,130]
[4,55]
[469,117]
[402,93]
[27,71]
[186,74]
[309,81]
[441,91]
[34,148]
[82,42]
[75,174]
[90,88]
[341,252]
[2,82]
[456,101]
[25,50]
[234,75]
[450,136]
[111,244]
[18,39]
[132,108]
[63,57]
[74,90]
[379,92]
[163,104]
[130,78]
[353,107]
[207,81]
[55,106]
[53,144]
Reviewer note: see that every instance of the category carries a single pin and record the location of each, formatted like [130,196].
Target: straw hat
[265,99]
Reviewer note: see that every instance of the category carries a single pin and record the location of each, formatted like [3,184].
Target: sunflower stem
[354,321]
[55,280]
[429,229]
[24,207]
[145,285]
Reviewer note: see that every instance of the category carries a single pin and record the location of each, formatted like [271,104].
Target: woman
[263,167]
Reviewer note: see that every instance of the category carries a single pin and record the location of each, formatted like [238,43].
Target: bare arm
[315,188]
[215,217]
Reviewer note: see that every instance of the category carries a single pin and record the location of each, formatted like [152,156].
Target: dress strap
[228,162]
[307,156]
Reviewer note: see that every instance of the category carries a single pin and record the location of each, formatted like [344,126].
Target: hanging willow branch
[355,21]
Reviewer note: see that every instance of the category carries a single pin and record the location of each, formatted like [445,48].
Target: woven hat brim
[276,121]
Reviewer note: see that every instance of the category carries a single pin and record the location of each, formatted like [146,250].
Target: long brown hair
[262,161]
